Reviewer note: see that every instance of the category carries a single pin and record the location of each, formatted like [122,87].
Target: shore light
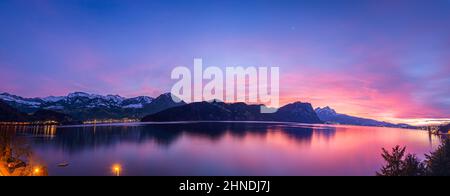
[116,169]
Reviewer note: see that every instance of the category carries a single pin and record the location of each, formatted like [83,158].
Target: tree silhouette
[412,166]
[399,165]
[438,162]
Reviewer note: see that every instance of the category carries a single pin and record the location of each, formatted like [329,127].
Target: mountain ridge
[86,106]
[220,111]
[329,115]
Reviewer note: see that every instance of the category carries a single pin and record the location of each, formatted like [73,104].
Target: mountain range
[220,111]
[329,115]
[10,114]
[85,106]
[81,106]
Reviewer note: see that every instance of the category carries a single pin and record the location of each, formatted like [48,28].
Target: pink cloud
[375,86]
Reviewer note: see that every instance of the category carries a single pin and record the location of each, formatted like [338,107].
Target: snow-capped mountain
[13,98]
[22,104]
[51,99]
[136,102]
[80,99]
[87,106]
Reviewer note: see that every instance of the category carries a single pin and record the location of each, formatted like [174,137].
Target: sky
[382,59]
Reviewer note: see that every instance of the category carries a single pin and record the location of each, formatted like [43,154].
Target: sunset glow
[385,60]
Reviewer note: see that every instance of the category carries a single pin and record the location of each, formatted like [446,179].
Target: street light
[36,171]
[116,169]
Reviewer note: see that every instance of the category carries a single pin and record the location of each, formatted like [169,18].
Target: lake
[216,148]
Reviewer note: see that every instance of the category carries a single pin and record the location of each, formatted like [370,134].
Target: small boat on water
[63,164]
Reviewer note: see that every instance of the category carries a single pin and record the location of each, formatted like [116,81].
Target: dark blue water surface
[217,148]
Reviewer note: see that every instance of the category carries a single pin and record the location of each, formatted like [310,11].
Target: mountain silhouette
[329,115]
[10,114]
[219,111]
[48,115]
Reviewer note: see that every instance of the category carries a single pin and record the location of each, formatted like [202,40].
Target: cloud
[375,85]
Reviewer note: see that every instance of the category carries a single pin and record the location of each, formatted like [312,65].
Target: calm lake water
[217,148]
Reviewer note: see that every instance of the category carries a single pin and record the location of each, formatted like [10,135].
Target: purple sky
[383,59]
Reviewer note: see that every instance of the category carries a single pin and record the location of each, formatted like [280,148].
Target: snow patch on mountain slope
[79,100]
[52,99]
[138,105]
[17,99]
[55,107]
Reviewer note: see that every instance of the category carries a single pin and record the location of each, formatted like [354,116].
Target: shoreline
[118,123]
[191,122]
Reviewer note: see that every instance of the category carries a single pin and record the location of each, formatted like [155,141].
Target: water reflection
[73,139]
[217,148]
[36,131]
